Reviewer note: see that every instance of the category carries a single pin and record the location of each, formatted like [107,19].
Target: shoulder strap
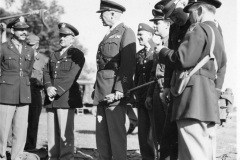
[208,57]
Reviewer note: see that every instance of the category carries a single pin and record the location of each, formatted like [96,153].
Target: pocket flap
[108,74]
[9,57]
[6,80]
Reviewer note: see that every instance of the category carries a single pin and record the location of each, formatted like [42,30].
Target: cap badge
[140,26]
[161,7]
[63,25]
[22,19]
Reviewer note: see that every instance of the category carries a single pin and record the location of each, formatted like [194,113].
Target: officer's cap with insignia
[145,27]
[68,29]
[215,3]
[107,5]
[32,39]
[20,22]
[167,6]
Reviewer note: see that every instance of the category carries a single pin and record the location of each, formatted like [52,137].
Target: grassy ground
[85,136]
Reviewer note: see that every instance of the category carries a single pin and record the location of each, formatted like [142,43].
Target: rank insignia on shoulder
[115,36]
[191,28]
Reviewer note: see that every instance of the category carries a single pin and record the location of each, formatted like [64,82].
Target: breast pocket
[111,48]
[10,62]
[66,65]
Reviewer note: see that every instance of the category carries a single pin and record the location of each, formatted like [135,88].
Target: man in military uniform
[36,85]
[163,127]
[16,63]
[195,110]
[63,94]
[142,75]
[116,66]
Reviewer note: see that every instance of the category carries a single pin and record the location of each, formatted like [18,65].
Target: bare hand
[109,98]
[165,96]
[118,95]
[148,103]
[51,91]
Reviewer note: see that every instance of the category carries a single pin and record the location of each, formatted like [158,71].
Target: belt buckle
[21,73]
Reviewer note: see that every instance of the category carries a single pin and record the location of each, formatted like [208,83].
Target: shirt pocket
[7,81]
[66,65]
[10,62]
[111,48]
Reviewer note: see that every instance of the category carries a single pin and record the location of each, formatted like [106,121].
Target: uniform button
[56,66]
[143,73]
[20,63]
[20,69]
[145,61]
[3,81]
[58,62]
[55,72]
[143,67]
[179,40]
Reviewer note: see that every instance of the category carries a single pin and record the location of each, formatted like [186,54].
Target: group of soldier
[171,125]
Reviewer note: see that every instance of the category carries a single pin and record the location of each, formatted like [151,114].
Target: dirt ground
[85,143]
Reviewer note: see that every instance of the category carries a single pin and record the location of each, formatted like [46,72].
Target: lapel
[12,47]
[114,31]
[64,54]
[151,51]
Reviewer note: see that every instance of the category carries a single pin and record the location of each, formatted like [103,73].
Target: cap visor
[187,7]
[156,19]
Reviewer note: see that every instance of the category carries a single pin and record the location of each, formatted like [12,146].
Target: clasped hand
[51,91]
[114,96]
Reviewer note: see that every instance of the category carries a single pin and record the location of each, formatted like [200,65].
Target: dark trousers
[111,132]
[145,133]
[35,109]
[166,131]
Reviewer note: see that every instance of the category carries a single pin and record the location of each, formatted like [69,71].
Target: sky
[82,14]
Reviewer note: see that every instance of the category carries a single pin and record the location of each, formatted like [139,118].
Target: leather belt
[21,74]
[109,65]
[206,73]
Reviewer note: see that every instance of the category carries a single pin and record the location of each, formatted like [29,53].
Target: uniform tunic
[62,72]
[199,99]
[116,66]
[16,69]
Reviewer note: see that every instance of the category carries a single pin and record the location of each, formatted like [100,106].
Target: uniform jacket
[116,63]
[145,60]
[199,100]
[36,79]
[62,72]
[16,69]
[176,35]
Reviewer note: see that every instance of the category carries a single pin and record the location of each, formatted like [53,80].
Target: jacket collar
[113,31]
[13,48]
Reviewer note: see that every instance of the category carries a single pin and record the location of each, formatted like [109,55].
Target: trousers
[111,132]
[14,116]
[60,133]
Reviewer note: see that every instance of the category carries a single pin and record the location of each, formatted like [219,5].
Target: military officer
[116,66]
[16,63]
[36,85]
[163,126]
[63,94]
[144,59]
[196,109]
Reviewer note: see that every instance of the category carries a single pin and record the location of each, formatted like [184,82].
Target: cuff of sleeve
[60,90]
[118,87]
[218,92]
[47,84]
